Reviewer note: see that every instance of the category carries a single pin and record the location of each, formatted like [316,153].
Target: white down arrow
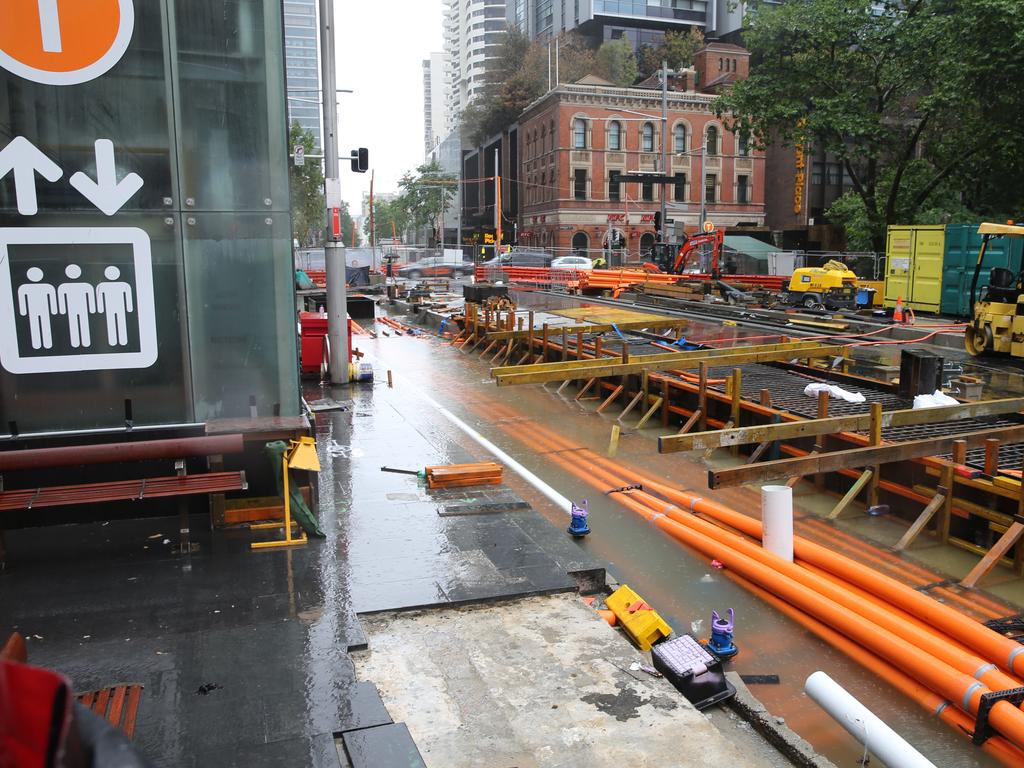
[106,193]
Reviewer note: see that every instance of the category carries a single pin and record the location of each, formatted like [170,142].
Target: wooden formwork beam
[650,412]
[851,494]
[578,369]
[922,520]
[793,430]
[611,398]
[630,325]
[854,458]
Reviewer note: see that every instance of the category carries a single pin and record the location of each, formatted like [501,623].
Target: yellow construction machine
[997,317]
[832,286]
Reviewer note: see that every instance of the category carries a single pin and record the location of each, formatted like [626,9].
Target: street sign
[300,155]
[62,43]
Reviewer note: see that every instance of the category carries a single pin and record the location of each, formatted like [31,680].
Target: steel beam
[112,453]
[677,362]
[854,458]
[793,430]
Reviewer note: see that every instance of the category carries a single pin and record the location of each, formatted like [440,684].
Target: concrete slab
[540,681]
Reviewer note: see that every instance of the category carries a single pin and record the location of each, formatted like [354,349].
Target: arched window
[646,244]
[711,143]
[679,138]
[742,144]
[579,133]
[647,138]
[615,135]
[543,139]
[721,64]
[580,243]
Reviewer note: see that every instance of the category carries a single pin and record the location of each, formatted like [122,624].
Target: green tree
[679,48]
[389,218]
[616,62]
[518,77]
[307,189]
[426,194]
[913,97]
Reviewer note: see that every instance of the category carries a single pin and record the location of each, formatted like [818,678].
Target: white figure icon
[38,301]
[114,299]
[77,301]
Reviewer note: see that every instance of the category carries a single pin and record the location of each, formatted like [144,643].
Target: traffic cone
[897,314]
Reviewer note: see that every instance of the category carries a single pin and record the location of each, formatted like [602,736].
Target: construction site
[592,488]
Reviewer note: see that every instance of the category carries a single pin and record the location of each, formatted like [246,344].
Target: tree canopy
[678,49]
[518,77]
[615,61]
[424,195]
[919,100]
[306,183]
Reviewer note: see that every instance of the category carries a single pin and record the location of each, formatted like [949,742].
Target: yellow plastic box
[644,627]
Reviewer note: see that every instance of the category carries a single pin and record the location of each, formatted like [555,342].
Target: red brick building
[576,140]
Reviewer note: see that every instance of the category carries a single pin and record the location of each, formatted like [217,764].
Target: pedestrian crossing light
[360,160]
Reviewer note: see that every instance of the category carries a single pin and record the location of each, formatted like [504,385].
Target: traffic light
[360,160]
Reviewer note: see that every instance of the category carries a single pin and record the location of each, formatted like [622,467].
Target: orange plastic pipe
[997,747]
[958,686]
[924,639]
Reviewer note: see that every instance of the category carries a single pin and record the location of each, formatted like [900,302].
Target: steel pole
[334,252]
[664,144]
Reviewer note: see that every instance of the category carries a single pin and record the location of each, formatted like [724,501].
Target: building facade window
[580,243]
[647,191]
[615,136]
[743,144]
[710,188]
[679,138]
[614,186]
[711,140]
[742,189]
[579,183]
[579,133]
[679,188]
[647,138]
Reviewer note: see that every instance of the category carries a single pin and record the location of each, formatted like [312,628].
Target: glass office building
[176,304]
[302,66]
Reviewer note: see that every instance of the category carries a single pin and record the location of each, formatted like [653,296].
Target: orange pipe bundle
[955,683]
[463,475]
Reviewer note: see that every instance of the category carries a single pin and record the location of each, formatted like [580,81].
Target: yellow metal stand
[301,454]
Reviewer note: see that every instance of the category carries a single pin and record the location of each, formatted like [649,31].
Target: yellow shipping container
[913,266]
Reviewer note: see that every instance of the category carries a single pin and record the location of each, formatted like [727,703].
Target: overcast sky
[380,50]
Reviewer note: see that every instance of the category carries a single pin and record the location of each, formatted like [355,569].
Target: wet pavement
[245,655]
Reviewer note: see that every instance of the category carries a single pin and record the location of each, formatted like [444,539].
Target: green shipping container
[962,244]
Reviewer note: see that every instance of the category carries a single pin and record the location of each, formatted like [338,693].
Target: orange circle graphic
[59,36]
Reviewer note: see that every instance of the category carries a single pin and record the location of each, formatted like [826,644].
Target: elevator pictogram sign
[64,42]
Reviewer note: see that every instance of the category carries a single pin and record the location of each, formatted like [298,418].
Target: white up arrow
[22,157]
[106,193]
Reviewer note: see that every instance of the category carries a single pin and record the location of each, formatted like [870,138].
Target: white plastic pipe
[558,499]
[777,519]
[881,740]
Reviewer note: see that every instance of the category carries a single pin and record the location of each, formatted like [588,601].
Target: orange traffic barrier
[608,616]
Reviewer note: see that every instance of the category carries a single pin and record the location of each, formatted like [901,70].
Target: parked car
[522,259]
[573,262]
[435,266]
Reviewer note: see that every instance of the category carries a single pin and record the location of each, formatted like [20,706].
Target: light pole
[664,144]
[334,256]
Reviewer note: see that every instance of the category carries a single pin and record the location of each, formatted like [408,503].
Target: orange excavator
[676,258]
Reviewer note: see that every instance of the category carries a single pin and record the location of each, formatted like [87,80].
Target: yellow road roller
[997,314]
